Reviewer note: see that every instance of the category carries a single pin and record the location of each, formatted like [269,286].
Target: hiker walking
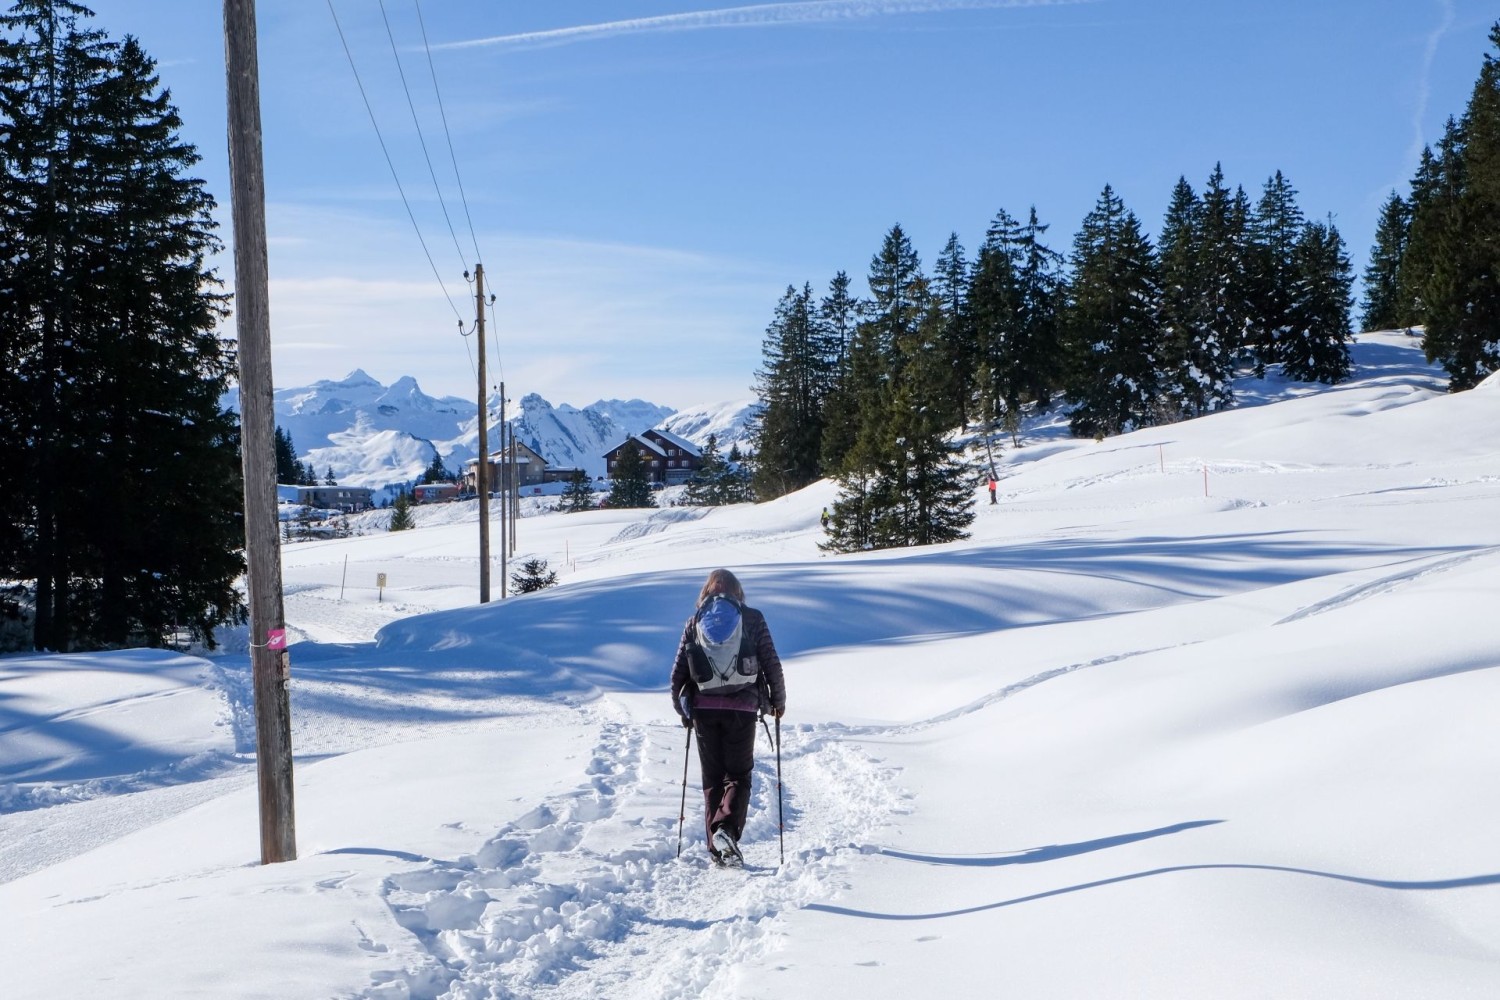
[726,671]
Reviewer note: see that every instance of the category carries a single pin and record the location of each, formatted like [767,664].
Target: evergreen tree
[308,477]
[839,314]
[1037,358]
[288,469]
[899,295]
[1184,323]
[900,300]
[790,385]
[401,515]
[1205,304]
[630,486]
[1229,289]
[1433,194]
[735,484]
[1276,228]
[957,343]
[329,479]
[1316,348]
[1013,298]
[1382,308]
[910,486]
[579,495]
[995,306]
[436,471]
[113,371]
[1112,323]
[704,488]
[1454,253]
[533,576]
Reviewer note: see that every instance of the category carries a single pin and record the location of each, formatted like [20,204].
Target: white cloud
[752,16]
[577,320]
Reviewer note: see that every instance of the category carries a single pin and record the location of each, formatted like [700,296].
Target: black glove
[687,722]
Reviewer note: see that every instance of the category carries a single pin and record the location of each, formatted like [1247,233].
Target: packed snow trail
[577,897]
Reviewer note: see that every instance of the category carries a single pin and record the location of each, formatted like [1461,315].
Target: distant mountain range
[379,436]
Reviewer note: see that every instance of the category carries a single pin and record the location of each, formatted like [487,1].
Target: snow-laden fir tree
[1184,307]
[1316,346]
[1112,323]
[1206,294]
[1275,229]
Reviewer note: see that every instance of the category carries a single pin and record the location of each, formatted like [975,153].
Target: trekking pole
[780,813]
[780,816]
[682,810]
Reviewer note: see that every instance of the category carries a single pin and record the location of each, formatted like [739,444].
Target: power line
[391,164]
[463,199]
[417,124]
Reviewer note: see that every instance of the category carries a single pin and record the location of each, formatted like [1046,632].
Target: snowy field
[1201,711]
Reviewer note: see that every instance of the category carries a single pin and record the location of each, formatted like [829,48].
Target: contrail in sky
[753,16]
[1424,84]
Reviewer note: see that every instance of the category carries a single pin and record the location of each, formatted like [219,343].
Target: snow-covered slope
[1199,711]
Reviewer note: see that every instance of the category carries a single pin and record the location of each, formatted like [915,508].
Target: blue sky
[645,178]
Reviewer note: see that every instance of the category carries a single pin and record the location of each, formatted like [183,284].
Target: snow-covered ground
[1201,711]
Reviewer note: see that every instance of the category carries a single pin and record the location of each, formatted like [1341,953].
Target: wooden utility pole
[515,517]
[268,654]
[482,470]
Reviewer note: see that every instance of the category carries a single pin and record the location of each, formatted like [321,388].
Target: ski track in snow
[659,521]
[539,912]
[1387,584]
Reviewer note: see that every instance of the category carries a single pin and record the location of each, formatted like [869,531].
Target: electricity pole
[268,654]
[482,470]
[504,496]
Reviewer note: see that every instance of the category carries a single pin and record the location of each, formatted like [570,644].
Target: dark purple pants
[726,752]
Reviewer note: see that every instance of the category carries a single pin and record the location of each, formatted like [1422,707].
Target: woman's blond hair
[721,581]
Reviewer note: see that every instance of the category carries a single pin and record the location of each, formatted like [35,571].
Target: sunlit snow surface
[1201,711]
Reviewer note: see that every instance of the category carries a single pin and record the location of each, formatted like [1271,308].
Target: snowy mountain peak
[370,434]
[358,378]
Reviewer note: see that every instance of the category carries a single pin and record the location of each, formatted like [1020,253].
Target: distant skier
[992,487]
[823,519]
[726,671]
